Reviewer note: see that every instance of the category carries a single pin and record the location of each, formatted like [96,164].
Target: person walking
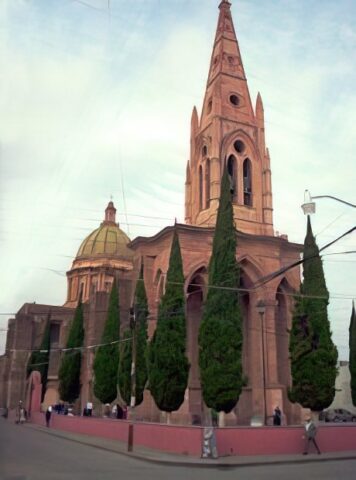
[20,413]
[48,415]
[277,416]
[22,418]
[309,435]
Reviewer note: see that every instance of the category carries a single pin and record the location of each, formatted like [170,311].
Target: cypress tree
[106,359]
[69,371]
[168,365]
[124,372]
[220,334]
[352,358]
[124,376]
[39,359]
[312,352]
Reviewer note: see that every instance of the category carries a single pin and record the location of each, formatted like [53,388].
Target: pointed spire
[110,213]
[187,173]
[259,108]
[194,121]
[225,24]
[226,57]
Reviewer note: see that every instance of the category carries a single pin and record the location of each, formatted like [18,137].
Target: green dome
[107,240]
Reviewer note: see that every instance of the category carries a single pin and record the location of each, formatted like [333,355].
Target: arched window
[232,171]
[207,184]
[247,182]
[200,188]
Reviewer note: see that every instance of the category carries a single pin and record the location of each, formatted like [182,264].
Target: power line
[71,349]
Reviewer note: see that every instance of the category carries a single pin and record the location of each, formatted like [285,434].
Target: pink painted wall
[169,438]
[98,427]
[283,440]
[188,440]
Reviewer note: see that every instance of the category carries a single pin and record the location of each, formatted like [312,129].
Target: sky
[96,98]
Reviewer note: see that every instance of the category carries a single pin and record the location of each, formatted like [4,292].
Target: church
[230,131]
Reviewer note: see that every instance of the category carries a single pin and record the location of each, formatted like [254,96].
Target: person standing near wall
[48,415]
[20,413]
[89,409]
[309,435]
[277,416]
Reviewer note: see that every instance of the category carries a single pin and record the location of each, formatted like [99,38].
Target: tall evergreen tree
[124,375]
[106,359]
[352,358]
[39,359]
[220,335]
[124,372]
[168,365]
[69,371]
[312,352]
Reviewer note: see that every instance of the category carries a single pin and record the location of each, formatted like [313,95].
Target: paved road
[28,454]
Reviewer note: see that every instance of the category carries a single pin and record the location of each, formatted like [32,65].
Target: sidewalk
[155,456]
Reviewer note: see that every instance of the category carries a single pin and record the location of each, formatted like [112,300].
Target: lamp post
[133,379]
[261,309]
[309,205]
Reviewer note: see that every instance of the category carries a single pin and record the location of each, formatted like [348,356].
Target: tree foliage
[312,352]
[124,372]
[168,365]
[69,371]
[124,376]
[352,358]
[39,359]
[220,335]
[106,359]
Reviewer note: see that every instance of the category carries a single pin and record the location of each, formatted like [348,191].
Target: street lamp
[309,205]
[133,379]
[261,309]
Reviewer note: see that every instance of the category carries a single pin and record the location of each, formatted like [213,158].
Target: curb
[210,463]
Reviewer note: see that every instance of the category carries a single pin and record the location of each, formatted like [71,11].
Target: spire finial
[225,3]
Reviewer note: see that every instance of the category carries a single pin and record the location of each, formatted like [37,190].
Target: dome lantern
[110,214]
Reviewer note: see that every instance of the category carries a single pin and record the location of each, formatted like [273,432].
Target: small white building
[342,397]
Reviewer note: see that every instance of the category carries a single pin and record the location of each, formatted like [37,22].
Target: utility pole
[133,378]
[261,309]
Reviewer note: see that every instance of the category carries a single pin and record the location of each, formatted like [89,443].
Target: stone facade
[102,256]
[229,132]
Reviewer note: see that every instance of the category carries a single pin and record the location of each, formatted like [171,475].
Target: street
[28,454]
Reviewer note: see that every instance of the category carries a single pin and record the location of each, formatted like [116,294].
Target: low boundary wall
[187,440]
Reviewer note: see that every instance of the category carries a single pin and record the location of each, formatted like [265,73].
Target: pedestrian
[48,415]
[19,412]
[309,436]
[277,416]
[89,409]
[22,416]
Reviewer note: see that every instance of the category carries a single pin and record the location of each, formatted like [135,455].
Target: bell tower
[229,131]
